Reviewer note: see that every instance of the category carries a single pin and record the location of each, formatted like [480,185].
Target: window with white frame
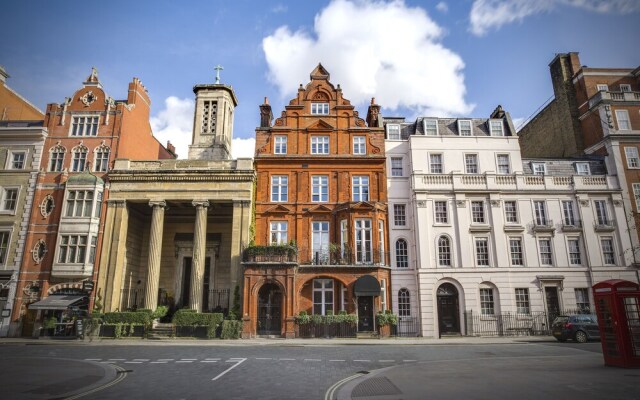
[364,248]
[575,256]
[602,217]
[504,166]
[538,168]
[430,127]
[544,247]
[79,203]
[402,254]
[464,127]
[622,116]
[381,242]
[633,161]
[471,163]
[482,251]
[582,300]
[522,301]
[496,127]
[636,195]
[79,162]
[84,126]
[477,212]
[568,213]
[18,159]
[319,144]
[400,214]
[383,295]
[280,145]
[515,250]
[360,186]
[359,145]
[396,166]
[320,188]
[322,296]
[404,303]
[625,87]
[344,238]
[487,305]
[9,199]
[102,159]
[279,232]
[435,163]
[440,211]
[56,158]
[601,87]
[582,168]
[98,208]
[72,249]
[279,188]
[92,249]
[511,211]
[320,242]
[4,246]
[540,209]
[343,294]
[320,108]
[393,132]
[608,254]
[444,251]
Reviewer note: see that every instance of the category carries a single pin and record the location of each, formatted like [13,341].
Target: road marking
[386,360]
[165,359]
[337,360]
[133,362]
[140,359]
[158,362]
[189,359]
[212,359]
[361,360]
[263,358]
[117,359]
[312,359]
[108,362]
[287,359]
[184,361]
[409,360]
[329,395]
[238,362]
[121,374]
[93,359]
[208,361]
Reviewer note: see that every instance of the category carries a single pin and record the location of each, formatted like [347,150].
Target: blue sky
[435,58]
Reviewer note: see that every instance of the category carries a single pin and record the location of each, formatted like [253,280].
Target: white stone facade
[546,237]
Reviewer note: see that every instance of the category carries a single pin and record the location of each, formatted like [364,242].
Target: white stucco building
[482,239]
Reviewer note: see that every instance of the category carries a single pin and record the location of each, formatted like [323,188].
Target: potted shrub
[385,321]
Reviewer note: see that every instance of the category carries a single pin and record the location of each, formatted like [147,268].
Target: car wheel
[581,337]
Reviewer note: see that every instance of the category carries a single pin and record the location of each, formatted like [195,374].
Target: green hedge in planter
[134,317]
[231,329]
[303,318]
[386,318]
[192,318]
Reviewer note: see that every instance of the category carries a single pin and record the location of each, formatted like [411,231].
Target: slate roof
[446,126]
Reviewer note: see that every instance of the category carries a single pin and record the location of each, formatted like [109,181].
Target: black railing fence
[513,324]
[336,330]
[218,300]
[406,327]
[337,256]
[131,299]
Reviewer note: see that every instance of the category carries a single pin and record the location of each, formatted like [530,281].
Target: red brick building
[86,134]
[321,187]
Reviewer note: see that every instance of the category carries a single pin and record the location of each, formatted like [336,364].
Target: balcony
[335,256]
[604,96]
[572,226]
[604,225]
[275,254]
[543,225]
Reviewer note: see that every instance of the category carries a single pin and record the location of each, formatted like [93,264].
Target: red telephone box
[618,308]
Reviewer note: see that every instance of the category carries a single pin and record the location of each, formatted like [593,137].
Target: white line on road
[117,359]
[93,359]
[165,359]
[361,360]
[312,359]
[386,360]
[212,359]
[158,362]
[287,359]
[184,361]
[337,360]
[140,359]
[209,361]
[239,361]
[188,359]
[263,358]
[133,362]
[409,360]
[108,362]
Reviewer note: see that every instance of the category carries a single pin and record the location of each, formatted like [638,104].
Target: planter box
[107,331]
[110,331]
[192,331]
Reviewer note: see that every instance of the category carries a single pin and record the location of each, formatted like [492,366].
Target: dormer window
[538,168]
[431,127]
[393,132]
[625,87]
[320,108]
[602,87]
[496,128]
[582,168]
[464,127]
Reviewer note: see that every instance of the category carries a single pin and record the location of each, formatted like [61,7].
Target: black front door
[269,310]
[553,304]
[448,313]
[365,314]
[186,282]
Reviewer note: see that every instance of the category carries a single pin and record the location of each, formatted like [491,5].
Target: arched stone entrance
[448,310]
[269,310]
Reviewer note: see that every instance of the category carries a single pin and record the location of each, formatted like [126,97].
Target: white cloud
[492,14]
[175,124]
[373,48]
[442,7]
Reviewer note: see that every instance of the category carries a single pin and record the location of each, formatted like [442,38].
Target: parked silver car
[578,327]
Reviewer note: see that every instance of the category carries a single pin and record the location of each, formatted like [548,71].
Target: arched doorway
[448,310]
[269,310]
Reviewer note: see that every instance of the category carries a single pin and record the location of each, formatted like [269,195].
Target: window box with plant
[271,253]
[326,326]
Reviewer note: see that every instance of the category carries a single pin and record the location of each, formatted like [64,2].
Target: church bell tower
[213,121]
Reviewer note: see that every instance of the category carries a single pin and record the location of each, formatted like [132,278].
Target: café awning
[366,285]
[57,302]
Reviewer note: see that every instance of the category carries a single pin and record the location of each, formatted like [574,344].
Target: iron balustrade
[406,327]
[513,324]
[329,330]
[337,256]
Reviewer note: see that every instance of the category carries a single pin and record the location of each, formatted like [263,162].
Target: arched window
[404,303]
[79,161]
[101,163]
[444,251]
[402,256]
[56,157]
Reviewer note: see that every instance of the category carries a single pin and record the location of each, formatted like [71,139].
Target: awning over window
[57,302]
[366,285]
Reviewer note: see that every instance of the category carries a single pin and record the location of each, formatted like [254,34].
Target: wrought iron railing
[330,330]
[131,299]
[406,327]
[370,256]
[217,300]
[514,324]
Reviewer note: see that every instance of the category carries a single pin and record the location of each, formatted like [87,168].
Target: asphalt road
[48,371]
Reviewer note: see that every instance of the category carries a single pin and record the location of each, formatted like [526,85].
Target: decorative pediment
[363,205]
[279,209]
[319,72]
[320,209]
[320,125]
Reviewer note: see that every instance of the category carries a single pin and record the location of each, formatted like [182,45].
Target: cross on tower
[218,68]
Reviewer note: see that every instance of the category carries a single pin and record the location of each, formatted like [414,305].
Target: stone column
[239,238]
[199,253]
[112,261]
[155,251]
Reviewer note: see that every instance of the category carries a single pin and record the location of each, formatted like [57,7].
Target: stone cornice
[174,176]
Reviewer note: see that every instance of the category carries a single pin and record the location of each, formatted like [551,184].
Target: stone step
[366,335]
